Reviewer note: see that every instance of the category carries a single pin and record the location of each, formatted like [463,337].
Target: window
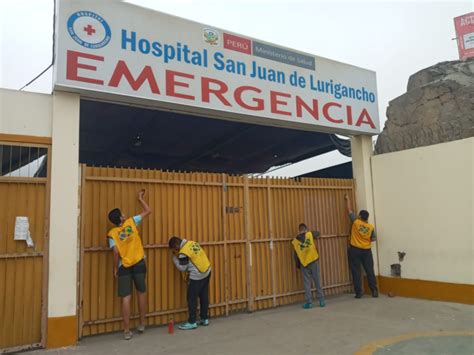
[23,161]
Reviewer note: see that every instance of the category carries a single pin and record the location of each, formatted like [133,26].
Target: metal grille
[23,161]
[244,224]
[24,192]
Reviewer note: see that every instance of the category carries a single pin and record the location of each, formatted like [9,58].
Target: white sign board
[120,52]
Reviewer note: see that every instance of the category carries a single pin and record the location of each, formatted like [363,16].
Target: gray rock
[437,107]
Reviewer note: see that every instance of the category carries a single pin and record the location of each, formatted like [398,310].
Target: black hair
[173,241]
[364,215]
[115,216]
[302,226]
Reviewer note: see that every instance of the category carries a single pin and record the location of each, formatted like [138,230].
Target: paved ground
[451,344]
[345,326]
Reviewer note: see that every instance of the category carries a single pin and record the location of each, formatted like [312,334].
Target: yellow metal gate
[24,191]
[245,225]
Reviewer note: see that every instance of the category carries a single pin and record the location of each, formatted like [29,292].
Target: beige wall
[63,250]
[424,207]
[362,151]
[25,113]
[55,116]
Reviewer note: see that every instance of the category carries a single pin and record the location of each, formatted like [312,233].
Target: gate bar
[226,252]
[249,244]
[272,247]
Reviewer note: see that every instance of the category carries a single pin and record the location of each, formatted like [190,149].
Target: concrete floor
[345,326]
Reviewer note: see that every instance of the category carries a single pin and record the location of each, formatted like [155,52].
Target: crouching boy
[190,258]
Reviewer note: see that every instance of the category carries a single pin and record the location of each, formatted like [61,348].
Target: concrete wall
[57,117]
[64,205]
[25,113]
[362,152]
[63,251]
[424,207]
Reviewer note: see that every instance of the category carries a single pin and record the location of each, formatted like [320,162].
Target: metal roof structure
[130,136]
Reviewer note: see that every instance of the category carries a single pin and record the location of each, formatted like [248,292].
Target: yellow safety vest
[361,232]
[306,251]
[128,242]
[197,255]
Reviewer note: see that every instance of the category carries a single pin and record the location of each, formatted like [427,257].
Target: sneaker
[127,335]
[375,294]
[141,328]
[204,322]
[308,305]
[358,295]
[322,303]
[188,326]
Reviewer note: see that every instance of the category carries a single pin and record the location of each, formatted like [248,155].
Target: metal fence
[24,192]
[245,225]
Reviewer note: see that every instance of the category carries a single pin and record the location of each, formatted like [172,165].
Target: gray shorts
[136,274]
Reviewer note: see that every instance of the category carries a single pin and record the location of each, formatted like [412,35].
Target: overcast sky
[396,39]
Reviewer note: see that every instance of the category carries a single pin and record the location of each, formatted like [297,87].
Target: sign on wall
[121,52]
[464,26]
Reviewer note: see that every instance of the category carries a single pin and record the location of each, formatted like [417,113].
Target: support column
[63,247]
[362,151]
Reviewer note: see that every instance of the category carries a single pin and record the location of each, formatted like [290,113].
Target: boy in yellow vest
[307,258]
[190,258]
[129,261]
[360,252]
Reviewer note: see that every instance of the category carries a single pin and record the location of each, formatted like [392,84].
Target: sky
[393,38]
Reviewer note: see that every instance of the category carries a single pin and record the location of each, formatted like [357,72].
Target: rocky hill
[437,107]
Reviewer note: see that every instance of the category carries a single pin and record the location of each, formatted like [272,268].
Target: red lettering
[360,120]
[238,98]
[206,91]
[73,65]
[300,104]
[274,102]
[349,115]
[171,84]
[121,70]
[326,108]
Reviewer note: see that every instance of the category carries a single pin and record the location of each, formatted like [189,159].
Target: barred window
[23,161]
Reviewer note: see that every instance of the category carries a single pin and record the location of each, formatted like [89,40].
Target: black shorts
[135,273]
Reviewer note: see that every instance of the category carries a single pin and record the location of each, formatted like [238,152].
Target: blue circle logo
[89,29]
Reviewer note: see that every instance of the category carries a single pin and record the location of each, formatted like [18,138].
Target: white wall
[63,250]
[424,207]
[362,151]
[56,116]
[25,113]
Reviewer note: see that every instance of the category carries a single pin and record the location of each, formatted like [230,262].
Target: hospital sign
[120,52]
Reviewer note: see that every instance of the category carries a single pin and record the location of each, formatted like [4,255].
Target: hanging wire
[53,49]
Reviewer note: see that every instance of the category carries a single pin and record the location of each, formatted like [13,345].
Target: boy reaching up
[129,261]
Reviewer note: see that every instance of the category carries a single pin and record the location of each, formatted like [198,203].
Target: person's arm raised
[348,204]
[146,209]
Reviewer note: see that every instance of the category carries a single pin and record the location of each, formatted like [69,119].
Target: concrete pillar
[362,151]
[63,251]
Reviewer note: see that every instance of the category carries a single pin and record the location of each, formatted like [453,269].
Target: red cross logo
[89,29]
